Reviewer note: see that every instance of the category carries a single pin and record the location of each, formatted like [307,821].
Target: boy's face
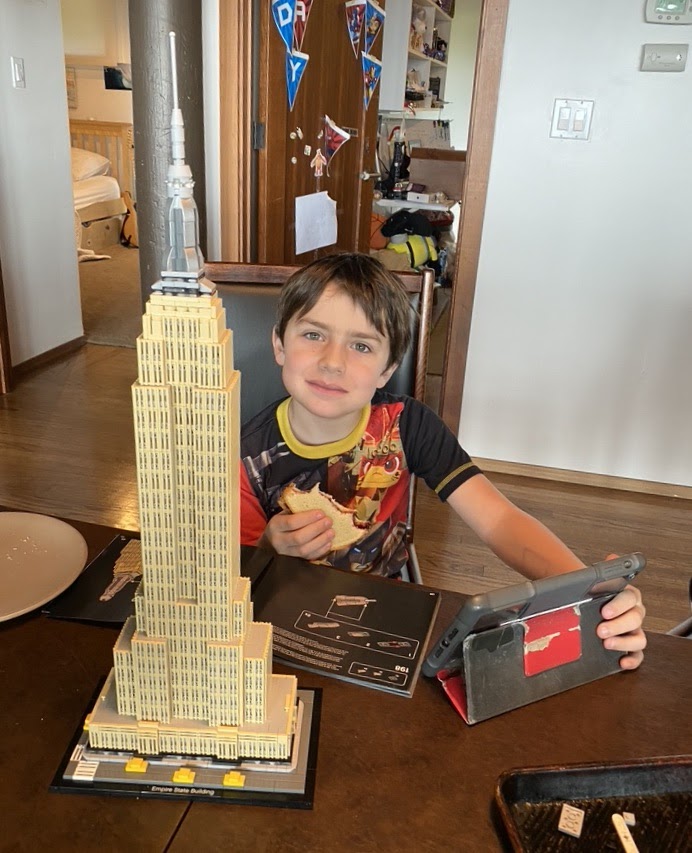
[332,359]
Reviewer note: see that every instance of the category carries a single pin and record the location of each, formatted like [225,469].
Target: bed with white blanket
[102,156]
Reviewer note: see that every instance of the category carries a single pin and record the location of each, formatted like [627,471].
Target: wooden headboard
[111,139]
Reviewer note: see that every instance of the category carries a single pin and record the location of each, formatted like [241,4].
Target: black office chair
[250,292]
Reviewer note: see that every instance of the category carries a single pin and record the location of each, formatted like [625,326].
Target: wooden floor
[67,449]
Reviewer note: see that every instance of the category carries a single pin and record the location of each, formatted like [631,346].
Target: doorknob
[365,176]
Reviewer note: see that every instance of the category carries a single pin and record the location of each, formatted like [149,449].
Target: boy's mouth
[326,388]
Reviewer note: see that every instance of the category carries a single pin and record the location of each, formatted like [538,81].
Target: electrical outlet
[18,78]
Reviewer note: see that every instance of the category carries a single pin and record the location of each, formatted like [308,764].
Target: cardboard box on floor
[439,170]
[101,233]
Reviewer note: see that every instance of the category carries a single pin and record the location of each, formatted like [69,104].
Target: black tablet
[523,600]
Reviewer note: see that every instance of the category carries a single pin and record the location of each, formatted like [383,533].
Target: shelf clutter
[414,54]
[421,175]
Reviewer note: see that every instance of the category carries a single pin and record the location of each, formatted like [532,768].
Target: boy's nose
[332,359]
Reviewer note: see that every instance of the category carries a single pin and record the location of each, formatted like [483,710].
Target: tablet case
[526,660]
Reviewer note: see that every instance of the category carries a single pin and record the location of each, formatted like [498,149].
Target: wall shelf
[405,204]
[399,56]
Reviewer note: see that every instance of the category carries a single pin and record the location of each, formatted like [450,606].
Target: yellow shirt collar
[319,451]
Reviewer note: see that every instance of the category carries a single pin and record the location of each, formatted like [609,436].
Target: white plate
[39,558]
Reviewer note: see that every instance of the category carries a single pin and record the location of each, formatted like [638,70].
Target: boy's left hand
[622,628]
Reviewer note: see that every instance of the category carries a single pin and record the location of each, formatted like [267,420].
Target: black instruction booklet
[351,626]
[346,625]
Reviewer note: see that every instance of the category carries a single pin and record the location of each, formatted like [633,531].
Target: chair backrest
[250,293]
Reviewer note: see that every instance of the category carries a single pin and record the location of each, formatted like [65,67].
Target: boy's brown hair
[379,293]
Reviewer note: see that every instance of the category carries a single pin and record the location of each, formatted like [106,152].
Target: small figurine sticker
[355,14]
[295,67]
[334,138]
[300,22]
[372,68]
[318,162]
[284,13]
[374,18]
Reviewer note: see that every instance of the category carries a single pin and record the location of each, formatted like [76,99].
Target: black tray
[658,791]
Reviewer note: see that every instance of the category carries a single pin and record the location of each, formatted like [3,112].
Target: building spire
[184,272]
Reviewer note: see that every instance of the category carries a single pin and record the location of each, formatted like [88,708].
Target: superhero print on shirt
[381,551]
[372,477]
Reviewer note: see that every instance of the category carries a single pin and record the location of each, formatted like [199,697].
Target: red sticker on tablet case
[552,639]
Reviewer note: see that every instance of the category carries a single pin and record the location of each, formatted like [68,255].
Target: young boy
[343,326]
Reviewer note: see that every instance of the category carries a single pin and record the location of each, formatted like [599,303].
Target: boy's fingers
[632,660]
[320,546]
[288,521]
[629,599]
[308,540]
[314,549]
[622,629]
[632,642]
[630,621]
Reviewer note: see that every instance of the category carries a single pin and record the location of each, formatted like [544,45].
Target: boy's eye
[311,336]
[360,347]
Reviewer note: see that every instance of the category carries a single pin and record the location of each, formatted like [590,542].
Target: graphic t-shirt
[368,472]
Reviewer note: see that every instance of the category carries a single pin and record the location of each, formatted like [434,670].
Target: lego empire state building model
[192,674]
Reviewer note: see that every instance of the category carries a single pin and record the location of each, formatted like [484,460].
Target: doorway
[97,62]
[483,109]
[481,125]
[481,129]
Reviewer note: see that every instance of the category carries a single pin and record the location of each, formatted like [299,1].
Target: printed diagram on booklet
[345,623]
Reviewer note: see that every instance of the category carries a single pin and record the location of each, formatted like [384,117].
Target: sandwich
[347,529]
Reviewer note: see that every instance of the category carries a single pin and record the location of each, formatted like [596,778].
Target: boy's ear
[386,375]
[277,344]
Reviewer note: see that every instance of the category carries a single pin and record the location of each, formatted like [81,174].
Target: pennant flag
[334,138]
[355,14]
[372,68]
[300,22]
[374,18]
[295,66]
[284,13]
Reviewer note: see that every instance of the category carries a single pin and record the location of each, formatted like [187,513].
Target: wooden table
[392,773]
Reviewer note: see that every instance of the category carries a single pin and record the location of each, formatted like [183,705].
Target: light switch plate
[664,57]
[571,118]
[18,78]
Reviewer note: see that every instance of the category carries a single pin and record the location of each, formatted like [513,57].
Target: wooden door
[332,85]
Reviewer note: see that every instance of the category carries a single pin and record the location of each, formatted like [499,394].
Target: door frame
[5,357]
[236,155]
[486,87]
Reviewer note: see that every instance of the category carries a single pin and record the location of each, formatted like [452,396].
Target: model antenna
[177,126]
[174,70]
[184,272]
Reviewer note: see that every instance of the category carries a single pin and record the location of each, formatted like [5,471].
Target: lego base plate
[281,784]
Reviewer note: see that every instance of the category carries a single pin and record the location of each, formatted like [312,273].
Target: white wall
[463,41]
[95,102]
[37,246]
[97,30]
[581,341]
